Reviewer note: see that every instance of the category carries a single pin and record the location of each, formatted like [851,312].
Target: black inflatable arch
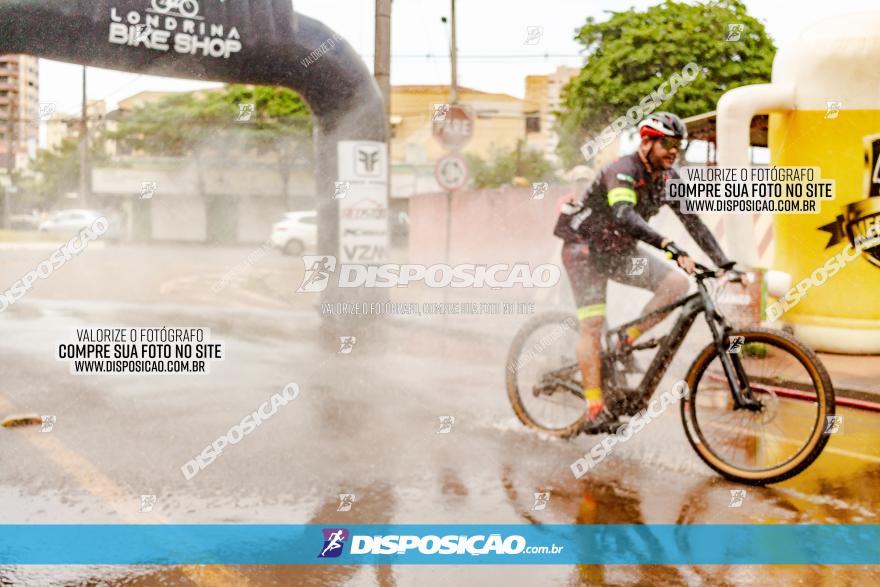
[235,41]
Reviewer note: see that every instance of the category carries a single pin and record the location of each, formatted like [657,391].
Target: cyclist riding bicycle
[601,234]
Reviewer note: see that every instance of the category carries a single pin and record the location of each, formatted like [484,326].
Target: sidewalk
[854,376]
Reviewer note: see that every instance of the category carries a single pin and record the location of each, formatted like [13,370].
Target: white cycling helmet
[663,124]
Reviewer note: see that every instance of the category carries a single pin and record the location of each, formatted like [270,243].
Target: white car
[296,233]
[69,222]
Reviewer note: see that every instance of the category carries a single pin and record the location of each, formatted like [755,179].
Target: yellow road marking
[121,501]
[852,454]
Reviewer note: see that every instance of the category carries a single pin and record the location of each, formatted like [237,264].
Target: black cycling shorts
[589,272]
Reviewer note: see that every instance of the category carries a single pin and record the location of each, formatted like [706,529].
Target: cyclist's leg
[588,287]
[658,276]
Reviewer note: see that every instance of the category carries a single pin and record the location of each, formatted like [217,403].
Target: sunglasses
[669,143]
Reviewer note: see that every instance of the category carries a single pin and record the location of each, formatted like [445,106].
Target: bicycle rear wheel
[543,379]
[782,438]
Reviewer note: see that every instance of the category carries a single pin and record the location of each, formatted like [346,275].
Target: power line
[431,56]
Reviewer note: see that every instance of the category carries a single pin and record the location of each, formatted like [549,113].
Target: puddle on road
[488,470]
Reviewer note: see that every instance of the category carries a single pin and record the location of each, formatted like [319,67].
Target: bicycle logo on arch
[187,8]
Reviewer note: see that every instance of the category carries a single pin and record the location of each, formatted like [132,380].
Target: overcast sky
[492,36]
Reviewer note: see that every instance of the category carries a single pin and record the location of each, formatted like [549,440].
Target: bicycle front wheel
[780,439]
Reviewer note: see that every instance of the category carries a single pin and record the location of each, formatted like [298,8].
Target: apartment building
[19,108]
[543,97]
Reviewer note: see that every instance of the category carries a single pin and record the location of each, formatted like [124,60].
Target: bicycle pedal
[607,427]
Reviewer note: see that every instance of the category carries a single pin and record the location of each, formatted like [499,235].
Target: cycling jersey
[612,217]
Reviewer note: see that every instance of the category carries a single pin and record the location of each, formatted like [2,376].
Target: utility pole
[453,51]
[85,174]
[453,100]
[382,61]
[382,73]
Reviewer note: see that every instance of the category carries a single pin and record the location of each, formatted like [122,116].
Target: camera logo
[47,423]
[346,344]
[737,497]
[346,500]
[833,424]
[334,541]
[639,264]
[446,424]
[832,109]
[534,34]
[147,503]
[318,270]
[341,189]
[541,500]
[440,112]
[148,189]
[735,31]
[245,112]
[736,343]
[539,190]
[47,109]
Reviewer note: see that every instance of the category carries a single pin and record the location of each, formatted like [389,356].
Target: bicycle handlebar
[702,272]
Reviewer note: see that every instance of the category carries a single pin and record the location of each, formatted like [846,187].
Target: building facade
[19,108]
[499,123]
[543,99]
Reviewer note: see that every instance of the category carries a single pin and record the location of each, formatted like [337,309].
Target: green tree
[282,123]
[206,124]
[632,53]
[175,126]
[506,165]
[54,173]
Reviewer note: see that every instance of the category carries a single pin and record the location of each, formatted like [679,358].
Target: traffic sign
[452,173]
[452,125]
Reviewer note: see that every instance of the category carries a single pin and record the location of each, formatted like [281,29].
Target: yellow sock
[595,402]
[594,394]
[633,333]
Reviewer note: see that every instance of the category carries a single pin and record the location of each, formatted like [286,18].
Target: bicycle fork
[731,363]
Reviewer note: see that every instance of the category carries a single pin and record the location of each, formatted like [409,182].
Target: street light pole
[453,50]
[382,73]
[382,61]
[85,183]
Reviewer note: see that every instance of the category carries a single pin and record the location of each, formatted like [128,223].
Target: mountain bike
[758,403]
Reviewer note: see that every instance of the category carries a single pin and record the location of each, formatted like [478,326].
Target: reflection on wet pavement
[366,424]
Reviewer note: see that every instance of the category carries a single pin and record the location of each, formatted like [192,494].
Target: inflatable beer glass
[824,105]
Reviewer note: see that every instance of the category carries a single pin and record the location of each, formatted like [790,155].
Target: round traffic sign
[452,125]
[451,172]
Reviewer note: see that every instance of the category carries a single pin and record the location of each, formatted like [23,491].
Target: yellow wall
[543,98]
[498,124]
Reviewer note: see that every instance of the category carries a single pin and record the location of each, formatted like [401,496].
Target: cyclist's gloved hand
[684,260]
[672,250]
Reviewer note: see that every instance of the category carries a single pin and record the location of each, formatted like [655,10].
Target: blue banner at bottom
[439,544]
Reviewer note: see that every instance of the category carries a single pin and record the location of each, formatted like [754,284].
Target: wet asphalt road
[365,423]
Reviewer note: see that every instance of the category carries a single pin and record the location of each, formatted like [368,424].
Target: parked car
[25,221]
[69,222]
[296,233]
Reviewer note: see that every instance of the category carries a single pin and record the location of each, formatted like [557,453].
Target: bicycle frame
[691,305]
